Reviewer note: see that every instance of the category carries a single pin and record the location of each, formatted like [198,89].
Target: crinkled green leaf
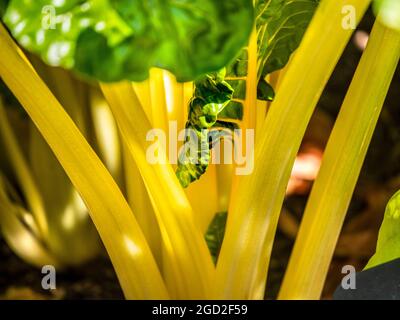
[215,234]
[121,39]
[203,129]
[233,111]
[265,91]
[236,72]
[238,67]
[389,12]
[388,245]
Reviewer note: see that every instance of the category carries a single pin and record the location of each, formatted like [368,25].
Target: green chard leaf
[388,245]
[112,40]
[215,234]
[280,26]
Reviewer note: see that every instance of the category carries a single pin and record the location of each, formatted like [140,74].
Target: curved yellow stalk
[250,104]
[249,120]
[68,221]
[106,133]
[174,95]
[187,252]
[136,190]
[244,258]
[23,174]
[143,91]
[341,165]
[117,226]
[65,88]
[67,216]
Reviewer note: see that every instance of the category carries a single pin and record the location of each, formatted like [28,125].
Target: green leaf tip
[215,234]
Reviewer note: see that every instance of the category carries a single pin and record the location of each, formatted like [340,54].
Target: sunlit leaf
[388,245]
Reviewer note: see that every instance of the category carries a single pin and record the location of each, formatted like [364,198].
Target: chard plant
[96,76]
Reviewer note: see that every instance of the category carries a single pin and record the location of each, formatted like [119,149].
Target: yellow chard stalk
[186,250]
[117,226]
[250,111]
[106,134]
[140,203]
[250,104]
[158,100]
[244,258]
[136,190]
[66,214]
[343,158]
[143,91]
[174,96]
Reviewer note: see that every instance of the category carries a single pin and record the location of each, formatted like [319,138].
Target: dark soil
[94,280]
